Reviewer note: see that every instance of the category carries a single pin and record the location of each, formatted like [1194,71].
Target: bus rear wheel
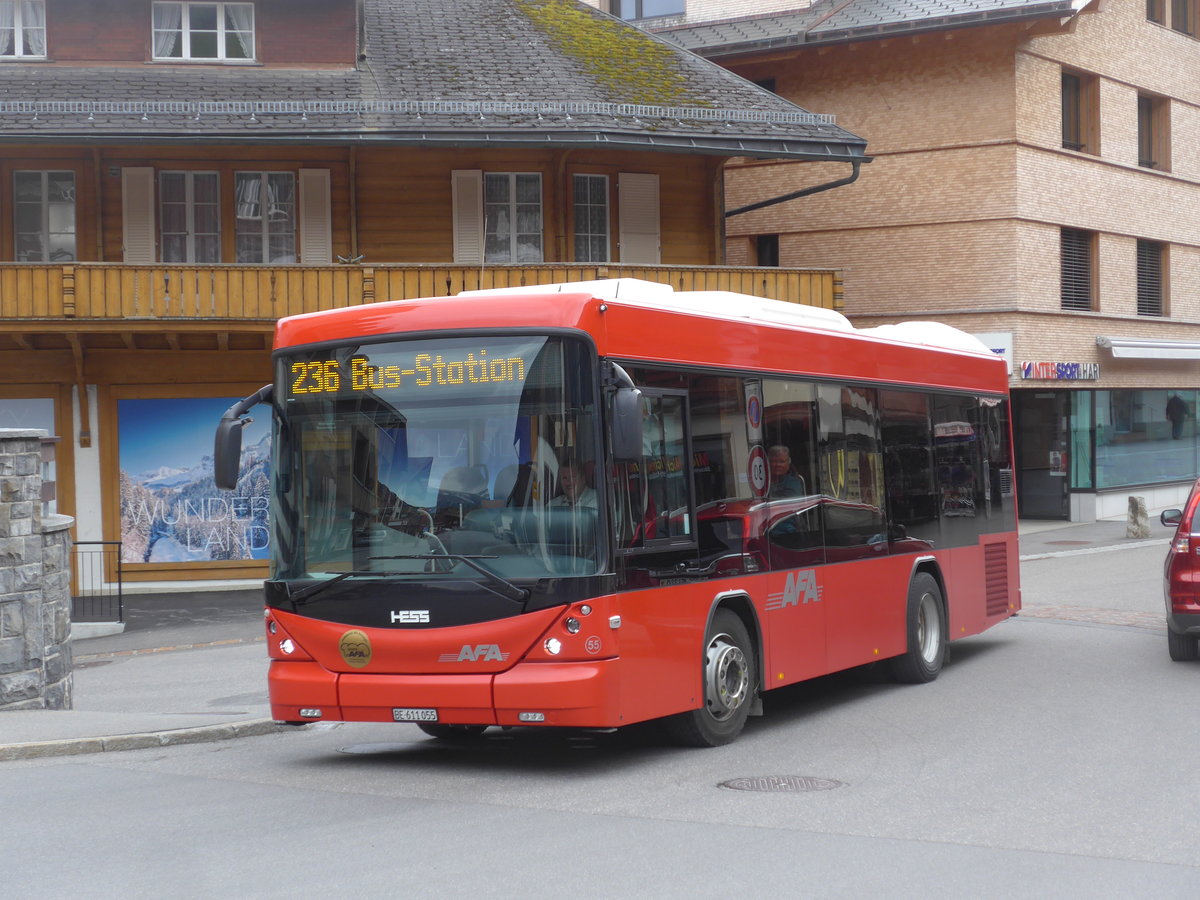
[730,677]
[452,732]
[926,630]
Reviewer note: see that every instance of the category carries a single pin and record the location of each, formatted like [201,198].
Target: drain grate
[782,784]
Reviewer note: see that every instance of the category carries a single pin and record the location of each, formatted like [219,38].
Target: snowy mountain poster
[171,510]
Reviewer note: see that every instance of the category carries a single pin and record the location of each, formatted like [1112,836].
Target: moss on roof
[632,66]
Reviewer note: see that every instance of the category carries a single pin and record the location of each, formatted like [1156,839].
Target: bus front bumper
[566,694]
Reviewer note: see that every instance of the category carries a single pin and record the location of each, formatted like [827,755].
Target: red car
[1181,577]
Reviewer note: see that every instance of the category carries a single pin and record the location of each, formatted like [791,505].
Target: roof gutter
[795,195]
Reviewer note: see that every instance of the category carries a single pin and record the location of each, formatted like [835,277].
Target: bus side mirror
[227,447]
[627,425]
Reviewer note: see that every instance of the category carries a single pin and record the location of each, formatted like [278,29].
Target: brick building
[1036,179]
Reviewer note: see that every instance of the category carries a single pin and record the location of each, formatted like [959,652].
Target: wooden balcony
[223,307]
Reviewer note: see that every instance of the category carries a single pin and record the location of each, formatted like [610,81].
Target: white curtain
[33,23]
[241,17]
[6,27]
[168,17]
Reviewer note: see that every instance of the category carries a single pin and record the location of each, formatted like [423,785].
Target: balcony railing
[106,292]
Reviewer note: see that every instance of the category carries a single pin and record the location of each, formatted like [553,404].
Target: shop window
[1145,437]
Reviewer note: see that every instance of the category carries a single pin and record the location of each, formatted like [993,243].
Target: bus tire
[445,732]
[926,629]
[730,679]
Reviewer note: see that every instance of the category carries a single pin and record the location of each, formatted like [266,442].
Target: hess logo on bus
[410,617]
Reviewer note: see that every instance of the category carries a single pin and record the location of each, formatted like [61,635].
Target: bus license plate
[415,715]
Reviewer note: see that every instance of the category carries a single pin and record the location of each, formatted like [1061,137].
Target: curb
[1086,550]
[142,741]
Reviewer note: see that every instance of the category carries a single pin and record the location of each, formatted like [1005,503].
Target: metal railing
[96,576]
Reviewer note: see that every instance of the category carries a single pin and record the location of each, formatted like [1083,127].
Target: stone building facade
[35,583]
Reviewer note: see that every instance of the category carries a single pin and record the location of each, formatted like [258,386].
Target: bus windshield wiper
[499,584]
[314,589]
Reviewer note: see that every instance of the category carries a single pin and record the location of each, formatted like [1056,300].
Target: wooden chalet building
[175,176]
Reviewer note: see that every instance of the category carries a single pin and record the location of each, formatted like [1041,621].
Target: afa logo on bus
[801,587]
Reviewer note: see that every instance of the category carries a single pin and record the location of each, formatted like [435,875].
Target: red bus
[595,504]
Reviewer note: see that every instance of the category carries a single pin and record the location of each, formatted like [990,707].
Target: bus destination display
[427,370]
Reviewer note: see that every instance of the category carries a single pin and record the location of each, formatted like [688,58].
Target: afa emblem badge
[355,648]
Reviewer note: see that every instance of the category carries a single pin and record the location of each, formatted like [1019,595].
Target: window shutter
[640,240]
[467,194]
[137,214]
[1076,267]
[316,233]
[1149,278]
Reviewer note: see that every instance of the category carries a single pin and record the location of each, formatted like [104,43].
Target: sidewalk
[193,668]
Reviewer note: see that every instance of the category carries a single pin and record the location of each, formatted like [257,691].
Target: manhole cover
[782,784]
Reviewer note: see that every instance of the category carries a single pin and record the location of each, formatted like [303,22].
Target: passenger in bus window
[575,490]
[784,480]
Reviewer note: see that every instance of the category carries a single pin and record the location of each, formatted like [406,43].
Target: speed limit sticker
[757,471]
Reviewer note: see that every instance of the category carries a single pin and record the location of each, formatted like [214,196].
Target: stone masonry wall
[35,590]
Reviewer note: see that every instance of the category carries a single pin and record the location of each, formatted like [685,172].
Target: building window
[1183,16]
[203,31]
[1079,112]
[1153,130]
[266,217]
[190,217]
[512,217]
[766,247]
[1150,278]
[648,9]
[22,28]
[591,218]
[44,216]
[1156,11]
[1077,267]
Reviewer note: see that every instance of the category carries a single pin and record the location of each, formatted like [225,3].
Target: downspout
[841,182]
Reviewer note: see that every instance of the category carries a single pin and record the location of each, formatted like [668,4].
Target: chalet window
[645,9]
[22,28]
[1153,131]
[1079,114]
[512,217]
[44,216]
[766,249]
[1150,278]
[219,31]
[265,203]
[1077,266]
[190,217]
[591,218]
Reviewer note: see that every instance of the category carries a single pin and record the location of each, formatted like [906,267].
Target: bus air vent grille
[995,566]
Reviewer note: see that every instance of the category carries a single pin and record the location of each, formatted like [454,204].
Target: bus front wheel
[926,630]
[730,677]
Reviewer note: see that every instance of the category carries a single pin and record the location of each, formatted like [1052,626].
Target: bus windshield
[437,458]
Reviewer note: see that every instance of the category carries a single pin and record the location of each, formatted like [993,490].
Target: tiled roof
[840,21]
[498,72]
